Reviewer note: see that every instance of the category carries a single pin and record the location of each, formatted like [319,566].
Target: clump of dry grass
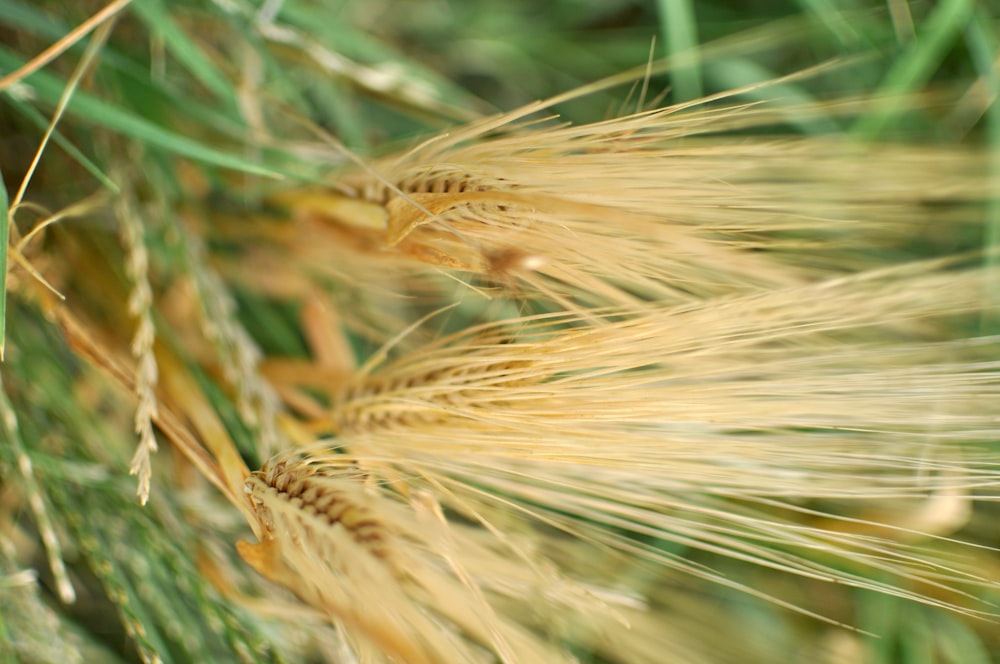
[724,362]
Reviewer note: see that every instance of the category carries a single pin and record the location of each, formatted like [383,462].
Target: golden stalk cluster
[602,344]
[598,362]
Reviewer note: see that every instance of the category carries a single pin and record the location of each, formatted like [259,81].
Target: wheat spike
[140,307]
[408,583]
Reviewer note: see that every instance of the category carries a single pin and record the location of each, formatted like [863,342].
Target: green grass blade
[832,15]
[679,27]
[916,64]
[959,644]
[4,240]
[59,139]
[99,112]
[31,19]
[737,72]
[983,46]
[916,639]
[178,43]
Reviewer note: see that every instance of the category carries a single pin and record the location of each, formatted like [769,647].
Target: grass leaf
[680,30]
[4,246]
[161,24]
[99,112]
[915,65]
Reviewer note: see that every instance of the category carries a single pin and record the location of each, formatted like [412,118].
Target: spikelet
[716,446]
[406,584]
[651,206]
[658,207]
[140,307]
